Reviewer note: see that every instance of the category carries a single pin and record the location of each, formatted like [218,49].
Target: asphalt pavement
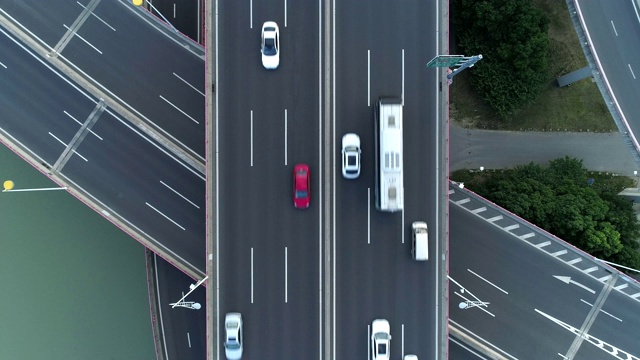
[472,148]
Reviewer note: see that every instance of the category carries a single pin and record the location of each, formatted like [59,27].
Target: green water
[72,285]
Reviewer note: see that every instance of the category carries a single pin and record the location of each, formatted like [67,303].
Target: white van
[420,241]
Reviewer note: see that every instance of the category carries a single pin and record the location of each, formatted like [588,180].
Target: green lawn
[578,107]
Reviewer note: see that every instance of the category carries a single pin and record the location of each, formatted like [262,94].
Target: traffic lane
[614,31]
[496,268]
[186,16]
[150,72]
[44,21]
[460,351]
[617,323]
[184,329]
[129,175]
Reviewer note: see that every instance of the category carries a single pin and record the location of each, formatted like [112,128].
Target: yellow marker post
[138,2]
[8,185]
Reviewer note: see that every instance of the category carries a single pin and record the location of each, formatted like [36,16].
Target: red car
[301,186]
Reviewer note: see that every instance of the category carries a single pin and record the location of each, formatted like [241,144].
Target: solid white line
[217,157]
[286,282]
[251,14]
[177,193]
[252,275]
[165,216]
[98,17]
[285,137]
[189,339]
[402,77]
[368,215]
[198,17]
[174,10]
[635,8]
[487,281]
[191,86]
[614,28]
[251,138]
[65,145]
[368,77]
[3,65]
[164,339]
[75,33]
[177,108]
[285,13]
[630,69]
[402,343]
[79,123]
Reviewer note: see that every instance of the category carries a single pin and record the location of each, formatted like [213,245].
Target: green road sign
[445,61]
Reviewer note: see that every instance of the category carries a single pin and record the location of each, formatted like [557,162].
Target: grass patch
[578,107]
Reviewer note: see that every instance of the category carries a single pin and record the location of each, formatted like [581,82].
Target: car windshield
[301,194]
[269,47]
[232,344]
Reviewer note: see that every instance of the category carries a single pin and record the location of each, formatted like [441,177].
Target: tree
[559,199]
[512,37]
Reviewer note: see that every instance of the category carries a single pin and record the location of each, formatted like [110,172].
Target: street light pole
[182,303]
[8,187]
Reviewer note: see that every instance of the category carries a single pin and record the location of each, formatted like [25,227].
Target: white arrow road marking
[567,280]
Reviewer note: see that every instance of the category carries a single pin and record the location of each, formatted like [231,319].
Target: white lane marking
[198,17]
[635,8]
[402,342]
[402,77]
[252,275]
[368,215]
[632,74]
[285,13]
[177,108]
[487,281]
[586,302]
[368,77]
[177,193]
[174,10]
[79,123]
[217,157]
[3,65]
[189,339]
[98,17]
[251,14]
[331,111]
[164,339]
[286,282]
[543,244]
[188,84]
[165,216]
[285,137]
[83,39]
[614,28]
[251,138]
[65,145]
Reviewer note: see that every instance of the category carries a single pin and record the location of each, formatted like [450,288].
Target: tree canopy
[512,37]
[560,199]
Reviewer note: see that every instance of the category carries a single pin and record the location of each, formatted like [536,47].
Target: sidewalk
[471,149]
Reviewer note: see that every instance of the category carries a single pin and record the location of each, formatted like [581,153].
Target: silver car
[233,336]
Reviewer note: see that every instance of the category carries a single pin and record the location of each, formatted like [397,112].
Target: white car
[411,357]
[350,156]
[380,339]
[270,47]
[233,336]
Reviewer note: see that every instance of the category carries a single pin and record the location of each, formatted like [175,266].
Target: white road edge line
[251,138]
[165,216]
[188,84]
[177,193]
[402,227]
[180,110]
[286,282]
[368,342]
[368,77]
[487,281]
[252,275]
[437,283]
[614,28]
[402,77]
[368,215]
[285,137]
